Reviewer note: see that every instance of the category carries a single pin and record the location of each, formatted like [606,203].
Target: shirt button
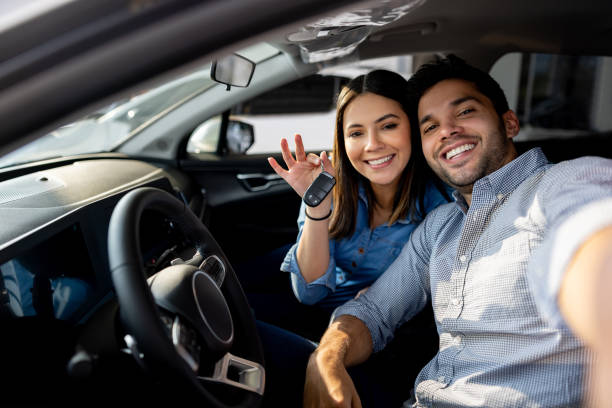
[500,196]
[361,251]
[455,301]
[354,264]
[462,258]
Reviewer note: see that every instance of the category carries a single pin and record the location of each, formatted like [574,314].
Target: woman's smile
[381,162]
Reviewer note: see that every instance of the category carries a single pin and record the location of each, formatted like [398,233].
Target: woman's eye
[354,134]
[390,126]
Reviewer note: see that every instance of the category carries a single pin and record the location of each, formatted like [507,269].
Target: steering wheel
[185,321]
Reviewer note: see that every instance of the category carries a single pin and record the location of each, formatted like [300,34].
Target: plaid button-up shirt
[499,347]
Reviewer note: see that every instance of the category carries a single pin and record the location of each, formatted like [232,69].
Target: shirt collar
[504,180]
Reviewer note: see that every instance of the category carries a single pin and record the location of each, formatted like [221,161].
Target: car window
[305,106]
[557,96]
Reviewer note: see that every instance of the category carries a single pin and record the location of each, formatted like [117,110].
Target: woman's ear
[511,124]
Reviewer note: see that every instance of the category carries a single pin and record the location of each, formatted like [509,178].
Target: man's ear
[511,124]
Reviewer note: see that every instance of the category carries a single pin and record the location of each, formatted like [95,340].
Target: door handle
[259,181]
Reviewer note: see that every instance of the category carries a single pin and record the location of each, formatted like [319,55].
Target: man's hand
[346,342]
[586,304]
[328,384]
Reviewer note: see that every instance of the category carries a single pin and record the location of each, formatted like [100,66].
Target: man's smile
[457,150]
[463,148]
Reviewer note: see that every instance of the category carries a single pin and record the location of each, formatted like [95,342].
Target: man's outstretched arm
[585,301]
[346,342]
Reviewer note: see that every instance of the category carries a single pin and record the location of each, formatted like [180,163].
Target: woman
[384,189]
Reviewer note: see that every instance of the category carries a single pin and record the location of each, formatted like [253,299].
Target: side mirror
[206,138]
[233,70]
[240,136]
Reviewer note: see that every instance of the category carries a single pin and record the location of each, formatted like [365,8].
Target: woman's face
[377,138]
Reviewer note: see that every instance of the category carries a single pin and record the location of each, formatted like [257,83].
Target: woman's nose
[373,142]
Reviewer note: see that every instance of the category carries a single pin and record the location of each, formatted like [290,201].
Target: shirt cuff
[556,254]
[313,292]
[360,309]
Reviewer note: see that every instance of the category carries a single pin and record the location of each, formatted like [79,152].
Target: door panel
[249,210]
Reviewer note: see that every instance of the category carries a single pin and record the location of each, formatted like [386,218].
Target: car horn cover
[192,294]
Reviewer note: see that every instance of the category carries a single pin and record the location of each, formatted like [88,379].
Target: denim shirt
[357,261]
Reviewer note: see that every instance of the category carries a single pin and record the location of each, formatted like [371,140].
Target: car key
[319,189]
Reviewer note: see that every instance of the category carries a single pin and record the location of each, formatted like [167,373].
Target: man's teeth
[457,150]
[380,161]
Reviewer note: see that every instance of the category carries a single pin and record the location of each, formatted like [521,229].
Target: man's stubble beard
[490,161]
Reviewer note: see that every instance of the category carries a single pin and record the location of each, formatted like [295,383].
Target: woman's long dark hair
[411,187]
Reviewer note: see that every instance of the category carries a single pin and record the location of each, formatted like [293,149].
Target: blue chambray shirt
[493,271]
[357,261]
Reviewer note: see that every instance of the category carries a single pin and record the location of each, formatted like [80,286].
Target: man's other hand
[328,384]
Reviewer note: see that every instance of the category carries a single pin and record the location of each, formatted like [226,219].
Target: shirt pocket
[387,252]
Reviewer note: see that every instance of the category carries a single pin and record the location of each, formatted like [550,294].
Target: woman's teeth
[380,161]
[452,153]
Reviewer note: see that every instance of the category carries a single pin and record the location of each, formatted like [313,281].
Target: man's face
[463,137]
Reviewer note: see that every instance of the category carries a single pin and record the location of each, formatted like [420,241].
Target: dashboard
[53,240]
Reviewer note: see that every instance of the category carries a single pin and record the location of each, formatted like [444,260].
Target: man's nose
[450,128]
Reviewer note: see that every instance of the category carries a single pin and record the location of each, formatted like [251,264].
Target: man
[523,240]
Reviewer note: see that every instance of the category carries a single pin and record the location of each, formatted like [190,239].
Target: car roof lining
[496,28]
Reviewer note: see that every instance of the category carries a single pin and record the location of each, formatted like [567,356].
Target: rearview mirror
[233,70]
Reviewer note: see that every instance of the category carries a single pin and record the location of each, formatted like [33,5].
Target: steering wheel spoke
[238,372]
[185,340]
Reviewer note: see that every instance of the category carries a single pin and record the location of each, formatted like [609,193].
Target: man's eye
[466,111]
[429,128]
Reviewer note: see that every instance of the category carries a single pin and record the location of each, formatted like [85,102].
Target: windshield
[104,130]
[108,128]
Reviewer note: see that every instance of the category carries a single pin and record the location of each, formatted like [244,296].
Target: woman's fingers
[327,164]
[300,155]
[277,167]
[314,159]
[287,156]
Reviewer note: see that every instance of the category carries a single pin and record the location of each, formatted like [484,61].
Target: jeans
[268,290]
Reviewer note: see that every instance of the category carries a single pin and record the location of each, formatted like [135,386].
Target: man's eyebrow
[425,119]
[456,102]
[384,117]
[459,101]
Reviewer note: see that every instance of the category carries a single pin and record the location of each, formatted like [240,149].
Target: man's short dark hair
[453,67]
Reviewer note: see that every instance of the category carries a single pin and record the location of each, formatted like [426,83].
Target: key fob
[319,189]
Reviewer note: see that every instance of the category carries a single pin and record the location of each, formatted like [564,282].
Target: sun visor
[333,37]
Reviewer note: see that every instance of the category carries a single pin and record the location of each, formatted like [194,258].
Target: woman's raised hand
[303,169]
